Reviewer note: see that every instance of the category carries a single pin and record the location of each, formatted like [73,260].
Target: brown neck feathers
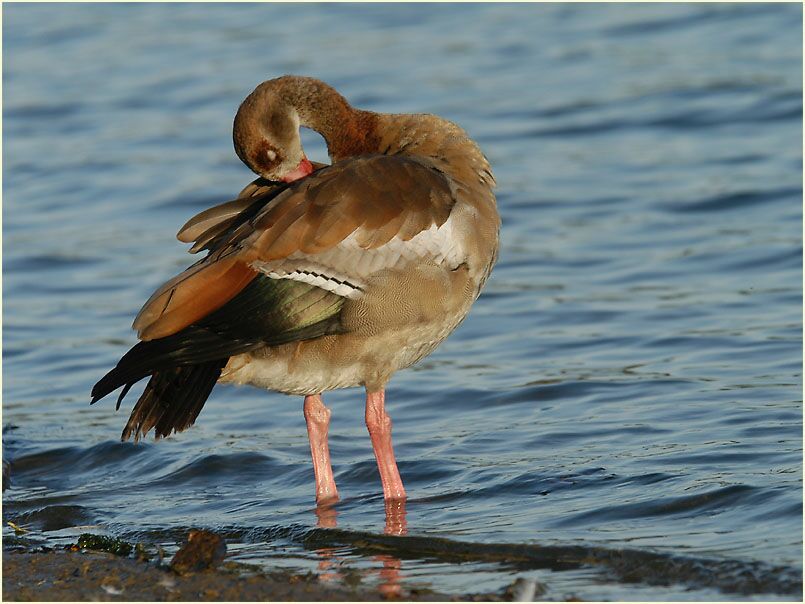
[347,131]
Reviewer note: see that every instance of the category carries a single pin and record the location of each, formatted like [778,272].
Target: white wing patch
[322,280]
[345,268]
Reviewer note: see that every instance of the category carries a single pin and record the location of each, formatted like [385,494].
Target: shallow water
[630,378]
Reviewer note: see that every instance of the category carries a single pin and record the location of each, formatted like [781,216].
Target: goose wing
[318,231]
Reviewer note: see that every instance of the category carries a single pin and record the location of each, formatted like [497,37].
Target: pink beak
[303,169]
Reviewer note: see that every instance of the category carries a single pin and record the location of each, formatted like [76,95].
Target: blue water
[630,377]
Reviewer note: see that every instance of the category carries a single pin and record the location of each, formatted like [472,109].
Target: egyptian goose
[319,277]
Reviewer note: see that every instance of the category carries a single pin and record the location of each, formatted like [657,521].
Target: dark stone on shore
[203,550]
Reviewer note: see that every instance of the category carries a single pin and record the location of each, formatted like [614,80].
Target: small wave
[689,505]
[735,200]
[240,467]
[50,262]
[75,459]
[554,390]
[770,104]
[698,15]
[55,517]
[39,111]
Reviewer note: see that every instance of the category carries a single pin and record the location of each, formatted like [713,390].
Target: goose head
[266,135]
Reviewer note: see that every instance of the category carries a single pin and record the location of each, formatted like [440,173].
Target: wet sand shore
[99,576]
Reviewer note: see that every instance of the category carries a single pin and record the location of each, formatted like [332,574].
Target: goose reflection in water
[389,573]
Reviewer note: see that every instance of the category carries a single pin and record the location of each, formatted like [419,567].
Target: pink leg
[396,523]
[379,424]
[317,417]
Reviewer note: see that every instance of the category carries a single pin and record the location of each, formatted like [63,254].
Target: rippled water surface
[630,377]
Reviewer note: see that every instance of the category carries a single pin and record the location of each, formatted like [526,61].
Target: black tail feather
[176,392]
[192,346]
[191,395]
[123,394]
[172,399]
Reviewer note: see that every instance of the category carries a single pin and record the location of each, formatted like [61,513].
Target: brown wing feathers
[203,289]
[220,216]
[378,196]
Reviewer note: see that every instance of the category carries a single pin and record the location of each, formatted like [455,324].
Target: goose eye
[271,154]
